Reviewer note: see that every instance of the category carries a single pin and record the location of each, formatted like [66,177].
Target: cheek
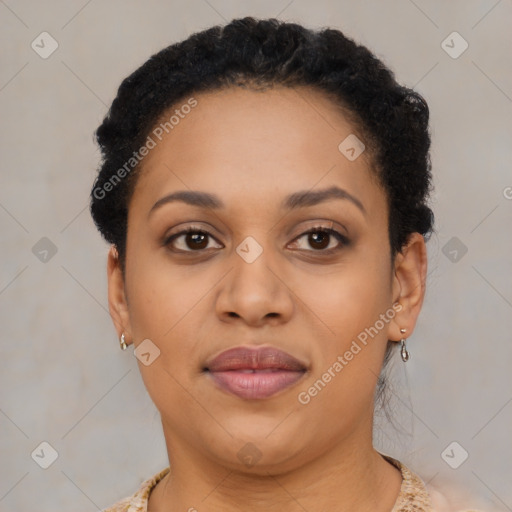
[160,309]
[159,294]
[347,300]
[166,316]
[348,359]
[154,309]
[347,304]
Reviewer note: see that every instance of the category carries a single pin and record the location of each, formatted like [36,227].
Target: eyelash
[344,241]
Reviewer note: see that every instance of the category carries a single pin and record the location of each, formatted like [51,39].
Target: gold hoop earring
[123,344]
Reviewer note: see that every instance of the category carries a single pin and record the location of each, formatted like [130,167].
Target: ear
[409,282]
[117,303]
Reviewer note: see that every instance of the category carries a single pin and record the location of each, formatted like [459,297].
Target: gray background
[64,380]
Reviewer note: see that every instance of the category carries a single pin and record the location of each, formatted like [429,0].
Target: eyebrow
[301,199]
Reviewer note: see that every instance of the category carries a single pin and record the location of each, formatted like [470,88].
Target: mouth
[254,374]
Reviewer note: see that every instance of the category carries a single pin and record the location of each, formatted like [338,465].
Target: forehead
[244,144]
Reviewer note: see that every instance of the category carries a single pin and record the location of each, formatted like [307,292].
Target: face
[249,274]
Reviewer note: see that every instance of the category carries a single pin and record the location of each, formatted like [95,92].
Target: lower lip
[256,385]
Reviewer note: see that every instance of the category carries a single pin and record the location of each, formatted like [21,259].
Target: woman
[264,188]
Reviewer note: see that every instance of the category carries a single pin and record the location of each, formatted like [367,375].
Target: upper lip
[260,358]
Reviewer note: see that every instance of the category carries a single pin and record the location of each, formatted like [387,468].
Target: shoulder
[139,501]
[120,506]
[443,496]
[451,497]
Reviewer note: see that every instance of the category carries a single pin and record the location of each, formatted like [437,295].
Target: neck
[347,477]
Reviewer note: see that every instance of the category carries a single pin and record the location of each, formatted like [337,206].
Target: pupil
[318,234]
[196,237]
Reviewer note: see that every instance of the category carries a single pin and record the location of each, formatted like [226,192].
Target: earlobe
[409,283]
[117,303]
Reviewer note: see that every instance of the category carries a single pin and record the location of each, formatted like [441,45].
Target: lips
[254,373]
[261,358]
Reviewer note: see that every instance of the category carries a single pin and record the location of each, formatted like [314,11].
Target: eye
[193,239]
[320,239]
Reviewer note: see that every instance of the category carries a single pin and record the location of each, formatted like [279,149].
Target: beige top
[413,496]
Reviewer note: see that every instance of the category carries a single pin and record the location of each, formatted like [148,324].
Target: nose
[255,292]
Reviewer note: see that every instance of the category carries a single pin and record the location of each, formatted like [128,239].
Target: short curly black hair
[263,53]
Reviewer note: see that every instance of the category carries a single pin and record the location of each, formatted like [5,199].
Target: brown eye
[196,240]
[320,239]
[189,240]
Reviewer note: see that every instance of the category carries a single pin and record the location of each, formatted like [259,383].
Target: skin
[251,149]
